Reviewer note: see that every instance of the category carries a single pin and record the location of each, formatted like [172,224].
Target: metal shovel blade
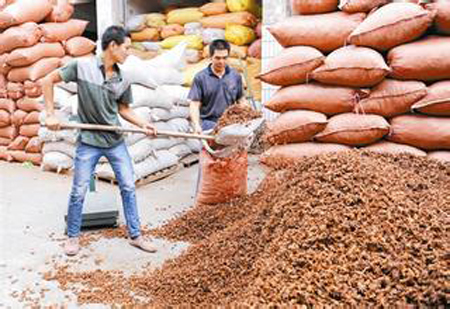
[238,134]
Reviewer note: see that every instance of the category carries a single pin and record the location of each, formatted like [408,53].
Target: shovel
[233,137]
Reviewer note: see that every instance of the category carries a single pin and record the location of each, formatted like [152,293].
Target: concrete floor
[33,204]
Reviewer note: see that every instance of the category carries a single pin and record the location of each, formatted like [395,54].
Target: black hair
[219,45]
[115,34]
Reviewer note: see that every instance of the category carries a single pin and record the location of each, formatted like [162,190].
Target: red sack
[34,145]
[19,143]
[79,46]
[32,118]
[7,105]
[5,141]
[3,91]
[437,101]
[295,127]
[430,133]
[9,132]
[22,156]
[283,155]
[4,67]
[393,148]
[171,30]
[325,99]
[392,25]
[30,130]
[33,89]
[4,153]
[22,11]
[292,66]
[392,98]
[18,117]
[5,118]
[442,20]
[37,70]
[426,60]
[58,32]
[27,56]
[30,105]
[255,49]
[305,7]
[326,32]
[15,91]
[61,12]
[354,130]
[222,179]
[24,35]
[353,67]
[355,6]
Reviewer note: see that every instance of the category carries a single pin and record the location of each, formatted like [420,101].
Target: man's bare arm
[51,121]
[194,111]
[129,115]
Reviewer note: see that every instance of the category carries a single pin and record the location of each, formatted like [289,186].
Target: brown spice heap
[351,228]
[236,113]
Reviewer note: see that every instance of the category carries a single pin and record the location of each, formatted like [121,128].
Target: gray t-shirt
[216,94]
[98,99]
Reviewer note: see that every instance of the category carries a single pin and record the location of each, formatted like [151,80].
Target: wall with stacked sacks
[357,73]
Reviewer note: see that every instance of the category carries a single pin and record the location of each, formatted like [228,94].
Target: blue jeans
[86,159]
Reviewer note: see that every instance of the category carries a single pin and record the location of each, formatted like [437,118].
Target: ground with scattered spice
[351,228]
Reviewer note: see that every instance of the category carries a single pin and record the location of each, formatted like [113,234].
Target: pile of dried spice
[236,113]
[353,228]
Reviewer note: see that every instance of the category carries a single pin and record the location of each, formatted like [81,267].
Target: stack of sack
[360,73]
[233,20]
[59,146]
[159,97]
[37,37]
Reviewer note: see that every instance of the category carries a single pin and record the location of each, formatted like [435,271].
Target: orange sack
[37,70]
[305,7]
[19,143]
[292,66]
[29,55]
[354,130]
[7,105]
[325,99]
[442,19]
[5,118]
[22,156]
[22,11]
[222,179]
[283,155]
[79,46]
[392,25]
[355,6]
[392,98]
[353,67]
[25,35]
[236,18]
[426,60]
[325,32]
[295,127]
[61,12]
[210,9]
[58,32]
[34,145]
[437,101]
[393,148]
[425,132]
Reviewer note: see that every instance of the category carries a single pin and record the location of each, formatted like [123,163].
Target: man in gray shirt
[103,94]
[214,89]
